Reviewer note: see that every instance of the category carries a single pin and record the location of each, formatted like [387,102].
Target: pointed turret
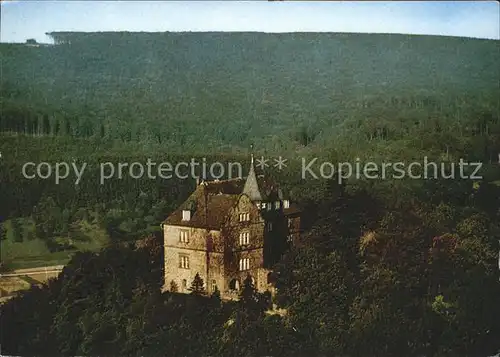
[251,188]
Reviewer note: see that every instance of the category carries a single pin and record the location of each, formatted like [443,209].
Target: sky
[25,19]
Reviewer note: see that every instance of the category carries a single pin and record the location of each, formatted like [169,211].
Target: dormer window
[286,204]
[186,215]
[244,217]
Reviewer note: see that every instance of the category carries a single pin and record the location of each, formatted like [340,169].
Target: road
[53,271]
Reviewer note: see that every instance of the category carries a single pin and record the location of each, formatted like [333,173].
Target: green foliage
[13,231]
[411,290]
[216,297]
[174,288]
[385,268]
[3,233]
[151,89]
[441,307]
[251,301]
[197,286]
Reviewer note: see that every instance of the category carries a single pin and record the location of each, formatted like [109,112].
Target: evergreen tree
[197,286]
[250,299]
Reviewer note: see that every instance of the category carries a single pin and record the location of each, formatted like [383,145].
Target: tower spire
[251,188]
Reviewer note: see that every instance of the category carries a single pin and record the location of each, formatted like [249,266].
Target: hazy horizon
[21,20]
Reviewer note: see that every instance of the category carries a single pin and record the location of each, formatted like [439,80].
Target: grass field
[34,253]
[11,285]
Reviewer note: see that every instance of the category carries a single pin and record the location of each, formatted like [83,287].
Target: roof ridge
[217,181]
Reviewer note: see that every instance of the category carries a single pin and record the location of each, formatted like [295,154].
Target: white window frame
[244,217]
[244,264]
[244,238]
[184,236]
[183,261]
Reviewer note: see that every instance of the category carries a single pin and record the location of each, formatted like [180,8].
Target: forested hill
[277,90]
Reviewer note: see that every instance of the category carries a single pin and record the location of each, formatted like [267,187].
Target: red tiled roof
[229,187]
[217,209]
[210,204]
[212,201]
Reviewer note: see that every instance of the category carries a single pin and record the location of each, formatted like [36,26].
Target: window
[214,285]
[184,236]
[290,223]
[244,238]
[270,278]
[244,264]
[234,284]
[289,238]
[269,206]
[263,205]
[183,261]
[286,204]
[244,217]
[277,205]
[269,226]
[184,284]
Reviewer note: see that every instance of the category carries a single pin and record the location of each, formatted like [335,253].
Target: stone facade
[225,231]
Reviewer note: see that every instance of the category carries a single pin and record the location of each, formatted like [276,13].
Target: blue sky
[32,19]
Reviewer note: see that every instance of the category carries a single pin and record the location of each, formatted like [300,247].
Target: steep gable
[251,188]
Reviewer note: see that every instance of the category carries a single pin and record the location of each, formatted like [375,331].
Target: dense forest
[383,268]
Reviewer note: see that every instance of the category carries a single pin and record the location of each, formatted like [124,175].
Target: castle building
[227,230]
